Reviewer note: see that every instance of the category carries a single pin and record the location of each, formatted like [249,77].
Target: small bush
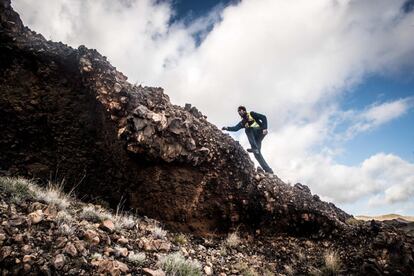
[94,214]
[332,263]
[245,270]
[66,229]
[176,265]
[137,259]
[223,250]
[180,239]
[232,240]
[19,188]
[353,221]
[96,256]
[158,232]
[267,272]
[301,256]
[54,195]
[289,270]
[64,217]
[124,222]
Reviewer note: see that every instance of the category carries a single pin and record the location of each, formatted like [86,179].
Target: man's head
[242,111]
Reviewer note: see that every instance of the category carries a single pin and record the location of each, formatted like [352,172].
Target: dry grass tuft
[289,270]
[54,195]
[333,263]
[125,221]
[176,264]
[158,232]
[137,259]
[180,239]
[245,269]
[94,214]
[232,240]
[19,188]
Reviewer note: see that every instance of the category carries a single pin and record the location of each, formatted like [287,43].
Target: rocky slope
[44,231]
[68,112]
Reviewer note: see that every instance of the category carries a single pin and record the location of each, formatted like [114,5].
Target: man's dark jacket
[259,118]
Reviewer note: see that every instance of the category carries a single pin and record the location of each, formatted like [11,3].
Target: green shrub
[180,239]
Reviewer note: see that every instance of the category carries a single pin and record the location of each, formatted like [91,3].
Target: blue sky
[194,9]
[395,137]
[334,78]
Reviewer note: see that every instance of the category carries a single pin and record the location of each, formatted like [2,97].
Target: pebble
[36,216]
[59,261]
[107,225]
[208,270]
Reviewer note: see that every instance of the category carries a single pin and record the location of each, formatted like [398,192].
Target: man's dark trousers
[255,136]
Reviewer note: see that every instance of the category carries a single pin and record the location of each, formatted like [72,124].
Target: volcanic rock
[71,108]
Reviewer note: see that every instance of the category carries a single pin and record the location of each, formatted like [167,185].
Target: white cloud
[376,115]
[291,60]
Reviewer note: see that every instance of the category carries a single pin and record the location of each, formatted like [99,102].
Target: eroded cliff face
[69,112]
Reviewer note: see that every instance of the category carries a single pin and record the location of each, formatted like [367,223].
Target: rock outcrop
[69,111]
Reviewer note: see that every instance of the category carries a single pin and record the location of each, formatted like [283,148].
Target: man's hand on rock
[224,128]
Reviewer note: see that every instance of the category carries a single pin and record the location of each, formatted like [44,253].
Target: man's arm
[234,128]
[260,119]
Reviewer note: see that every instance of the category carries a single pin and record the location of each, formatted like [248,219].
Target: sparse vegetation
[332,264]
[66,229]
[246,270]
[180,239]
[232,240]
[289,270]
[96,256]
[54,195]
[123,221]
[19,188]
[268,272]
[136,258]
[64,217]
[94,214]
[354,221]
[176,265]
[301,256]
[158,232]
[223,250]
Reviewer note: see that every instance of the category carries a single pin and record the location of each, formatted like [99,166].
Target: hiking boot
[256,151]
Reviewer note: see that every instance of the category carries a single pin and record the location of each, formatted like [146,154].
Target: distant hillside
[386,217]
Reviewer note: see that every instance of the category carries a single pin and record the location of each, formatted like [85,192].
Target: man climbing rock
[255,126]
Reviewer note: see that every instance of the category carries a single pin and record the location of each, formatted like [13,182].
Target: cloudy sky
[334,77]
